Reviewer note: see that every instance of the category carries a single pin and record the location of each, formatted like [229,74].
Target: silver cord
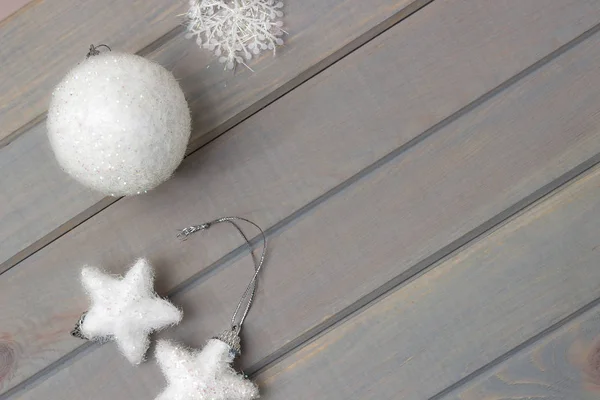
[250,291]
[94,50]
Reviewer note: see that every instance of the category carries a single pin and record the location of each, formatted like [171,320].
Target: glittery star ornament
[203,375]
[126,309]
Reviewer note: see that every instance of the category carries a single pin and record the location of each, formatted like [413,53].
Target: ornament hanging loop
[94,50]
[186,232]
[249,293]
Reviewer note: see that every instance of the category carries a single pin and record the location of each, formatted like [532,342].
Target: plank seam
[516,350]
[55,234]
[360,41]
[419,269]
[316,69]
[373,296]
[234,121]
[426,265]
[144,51]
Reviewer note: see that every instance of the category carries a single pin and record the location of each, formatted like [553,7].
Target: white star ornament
[125,309]
[202,375]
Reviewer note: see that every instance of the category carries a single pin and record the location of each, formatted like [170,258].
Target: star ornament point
[202,375]
[125,309]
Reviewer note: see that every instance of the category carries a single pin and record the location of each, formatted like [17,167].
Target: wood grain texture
[42,42]
[538,268]
[389,220]
[219,100]
[36,197]
[7,7]
[560,366]
[322,32]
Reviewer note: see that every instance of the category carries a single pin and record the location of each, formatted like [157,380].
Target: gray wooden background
[427,171]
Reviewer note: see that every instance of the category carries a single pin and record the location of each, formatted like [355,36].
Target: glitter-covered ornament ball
[119,123]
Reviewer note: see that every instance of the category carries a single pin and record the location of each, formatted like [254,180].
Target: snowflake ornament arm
[236,30]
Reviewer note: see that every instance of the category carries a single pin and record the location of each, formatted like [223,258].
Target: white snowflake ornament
[205,374]
[125,310]
[236,30]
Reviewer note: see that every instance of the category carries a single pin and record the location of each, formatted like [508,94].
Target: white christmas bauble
[119,123]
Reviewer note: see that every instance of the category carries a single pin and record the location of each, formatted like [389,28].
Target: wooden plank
[324,31]
[36,197]
[472,308]
[560,366]
[48,37]
[478,166]
[530,34]
[7,7]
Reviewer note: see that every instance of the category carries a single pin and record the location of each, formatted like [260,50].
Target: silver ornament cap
[76,332]
[232,339]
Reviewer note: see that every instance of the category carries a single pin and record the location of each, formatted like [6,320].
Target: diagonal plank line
[341,53]
[161,41]
[518,349]
[361,304]
[158,43]
[57,233]
[313,71]
[427,264]
[316,69]
[396,282]
[198,143]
